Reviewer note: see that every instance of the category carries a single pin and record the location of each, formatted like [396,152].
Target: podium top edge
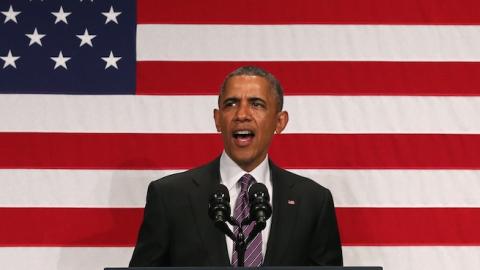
[262,268]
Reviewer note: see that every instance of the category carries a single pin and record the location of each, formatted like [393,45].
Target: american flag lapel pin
[291,202]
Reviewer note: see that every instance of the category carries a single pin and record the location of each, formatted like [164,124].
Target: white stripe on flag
[425,258]
[350,188]
[308,42]
[194,114]
[63,258]
[391,258]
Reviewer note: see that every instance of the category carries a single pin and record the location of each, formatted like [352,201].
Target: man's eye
[229,103]
[257,104]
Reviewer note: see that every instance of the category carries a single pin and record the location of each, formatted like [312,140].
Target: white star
[111,15]
[61,15]
[10,15]
[9,59]
[86,38]
[60,60]
[35,37]
[111,61]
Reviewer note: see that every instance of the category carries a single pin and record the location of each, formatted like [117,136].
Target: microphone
[260,208]
[219,209]
[219,204]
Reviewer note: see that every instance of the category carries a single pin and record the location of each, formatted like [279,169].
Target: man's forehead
[247,85]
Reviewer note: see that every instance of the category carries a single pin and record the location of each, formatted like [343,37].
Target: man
[177,231]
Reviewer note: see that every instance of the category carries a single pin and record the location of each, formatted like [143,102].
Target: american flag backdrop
[99,97]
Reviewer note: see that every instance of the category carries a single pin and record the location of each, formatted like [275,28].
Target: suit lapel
[205,179]
[283,218]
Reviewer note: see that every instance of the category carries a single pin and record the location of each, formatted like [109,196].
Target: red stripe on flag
[358,226]
[377,151]
[317,78]
[106,150]
[409,226]
[69,226]
[310,11]
[167,151]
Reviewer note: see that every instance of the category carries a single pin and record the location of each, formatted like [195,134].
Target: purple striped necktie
[253,254]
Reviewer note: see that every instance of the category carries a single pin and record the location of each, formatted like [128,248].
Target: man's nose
[243,112]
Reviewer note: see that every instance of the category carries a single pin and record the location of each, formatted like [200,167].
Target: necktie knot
[245,182]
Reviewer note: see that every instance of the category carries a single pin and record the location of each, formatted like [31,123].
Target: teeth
[243,132]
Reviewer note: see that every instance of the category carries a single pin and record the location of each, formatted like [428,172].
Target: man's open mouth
[243,137]
[243,134]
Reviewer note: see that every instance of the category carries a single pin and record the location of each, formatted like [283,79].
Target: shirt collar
[230,172]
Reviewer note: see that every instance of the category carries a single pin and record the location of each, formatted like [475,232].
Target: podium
[260,268]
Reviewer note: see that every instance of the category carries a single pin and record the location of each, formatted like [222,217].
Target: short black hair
[256,71]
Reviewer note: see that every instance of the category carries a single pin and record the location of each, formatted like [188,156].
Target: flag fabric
[62,47]
[100,97]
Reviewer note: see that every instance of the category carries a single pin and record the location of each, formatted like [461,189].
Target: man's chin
[247,162]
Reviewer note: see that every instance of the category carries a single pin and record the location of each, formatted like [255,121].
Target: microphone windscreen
[258,188]
[222,189]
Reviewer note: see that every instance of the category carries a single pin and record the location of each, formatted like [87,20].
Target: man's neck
[230,171]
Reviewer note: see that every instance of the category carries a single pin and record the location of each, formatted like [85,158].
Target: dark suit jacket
[177,231]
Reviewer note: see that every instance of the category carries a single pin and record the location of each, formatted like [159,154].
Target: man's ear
[282,121]
[216,117]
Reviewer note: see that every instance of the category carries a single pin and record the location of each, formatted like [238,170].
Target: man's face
[247,117]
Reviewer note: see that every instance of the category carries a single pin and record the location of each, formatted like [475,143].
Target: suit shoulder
[173,179]
[181,179]
[304,183]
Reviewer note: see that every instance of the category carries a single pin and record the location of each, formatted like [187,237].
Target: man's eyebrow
[250,99]
[230,99]
[256,99]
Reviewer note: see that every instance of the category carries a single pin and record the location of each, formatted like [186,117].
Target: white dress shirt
[230,173]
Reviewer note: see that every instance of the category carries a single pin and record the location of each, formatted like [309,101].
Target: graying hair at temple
[256,71]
